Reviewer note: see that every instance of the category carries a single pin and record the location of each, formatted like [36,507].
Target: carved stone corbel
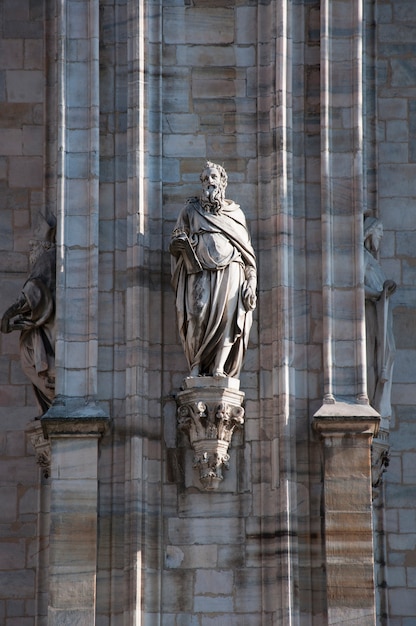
[209,410]
[41,446]
[380,460]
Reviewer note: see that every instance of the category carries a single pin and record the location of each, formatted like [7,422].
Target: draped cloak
[209,303]
[379,338]
[37,341]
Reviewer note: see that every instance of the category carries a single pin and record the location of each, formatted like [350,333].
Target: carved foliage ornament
[210,427]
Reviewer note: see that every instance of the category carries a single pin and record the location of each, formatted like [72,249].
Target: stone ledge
[209,389]
[341,418]
[209,382]
[70,417]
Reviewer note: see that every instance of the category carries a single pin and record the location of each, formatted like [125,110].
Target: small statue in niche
[33,314]
[379,321]
[215,279]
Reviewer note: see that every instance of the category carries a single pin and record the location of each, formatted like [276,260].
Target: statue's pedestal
[209,410]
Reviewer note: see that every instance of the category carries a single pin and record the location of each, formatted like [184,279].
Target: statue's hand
[17,308]
[249,295]
[22,323]
[177,244]
[5,325]
[389,287]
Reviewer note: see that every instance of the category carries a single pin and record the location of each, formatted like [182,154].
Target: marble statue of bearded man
[214,276]
[33,313]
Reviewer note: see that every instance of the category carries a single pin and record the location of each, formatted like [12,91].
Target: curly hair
[221,170]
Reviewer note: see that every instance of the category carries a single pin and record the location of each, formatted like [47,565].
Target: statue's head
[45,229]
[373,233]
[214,183]
[44,236]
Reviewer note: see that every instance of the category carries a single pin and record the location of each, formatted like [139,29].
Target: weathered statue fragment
[214,276]
[379,322]
[33,314]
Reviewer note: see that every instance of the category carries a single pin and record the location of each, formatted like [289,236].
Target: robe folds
[37,341]
[380,342]
[210,308]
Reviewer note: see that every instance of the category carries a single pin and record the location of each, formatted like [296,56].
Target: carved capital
[209,421]
[209,416]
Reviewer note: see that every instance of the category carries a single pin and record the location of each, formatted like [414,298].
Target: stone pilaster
[77,201]
[347,432]
[209,410]
[75,422]
[342,200]
[345,422]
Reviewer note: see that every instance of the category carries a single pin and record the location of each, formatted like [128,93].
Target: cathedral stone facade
[137,489]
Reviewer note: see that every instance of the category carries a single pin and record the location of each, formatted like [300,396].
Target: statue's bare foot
[194,372]
[220,374]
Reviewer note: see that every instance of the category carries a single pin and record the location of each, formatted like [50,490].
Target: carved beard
[37,248]
[212,198]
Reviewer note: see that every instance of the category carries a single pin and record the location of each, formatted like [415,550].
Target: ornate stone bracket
[209,410]
[41,446]
[380,459]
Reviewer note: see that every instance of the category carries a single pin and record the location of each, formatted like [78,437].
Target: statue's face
[212,189]
[377,236]
[210,178]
